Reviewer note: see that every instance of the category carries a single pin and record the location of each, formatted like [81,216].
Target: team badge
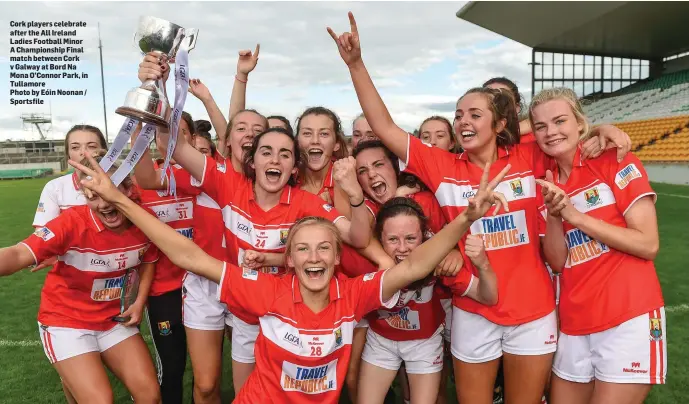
[44,233]
[656,329]
[369,276]
[40,208]
[283,236]
[592,197]
[164,328]
[338,337]
[517,188]
[327,207]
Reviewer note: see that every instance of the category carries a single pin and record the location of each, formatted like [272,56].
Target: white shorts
[243,340]
[60,343]
[201,309]
[632,352]
[477,340]
[447,306]
[421,356]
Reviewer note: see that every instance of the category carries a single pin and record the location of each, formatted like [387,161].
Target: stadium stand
[627,60]
[667,95]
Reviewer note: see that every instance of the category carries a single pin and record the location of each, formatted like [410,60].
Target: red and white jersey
[601,287]
[511,239]
[418,313]
[58,195]
[178,213]
[301,356]
[84,287]
[247,226]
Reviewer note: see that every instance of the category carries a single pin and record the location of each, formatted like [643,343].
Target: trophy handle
[193,35]
[136,44]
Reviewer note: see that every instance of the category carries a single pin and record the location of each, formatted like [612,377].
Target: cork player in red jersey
[307,317]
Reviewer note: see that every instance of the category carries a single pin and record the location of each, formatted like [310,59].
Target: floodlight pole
[102,84]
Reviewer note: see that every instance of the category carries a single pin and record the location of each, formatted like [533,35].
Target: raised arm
[424,258]
[185,155]
[377,115]
[357,231]
[145,173]
[245,64]
[200,91]
[179,249]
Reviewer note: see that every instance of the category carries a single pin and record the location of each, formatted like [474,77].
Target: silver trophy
[129,292]
[148,103]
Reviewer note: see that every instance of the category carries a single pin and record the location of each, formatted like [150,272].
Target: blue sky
[421,56]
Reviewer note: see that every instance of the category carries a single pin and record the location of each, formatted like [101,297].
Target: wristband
[363,199]
[240,80]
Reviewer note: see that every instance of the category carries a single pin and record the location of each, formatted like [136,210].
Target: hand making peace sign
[486,196]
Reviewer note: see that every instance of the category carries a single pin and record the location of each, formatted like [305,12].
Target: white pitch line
[679,308]
[31,343]
[676,196]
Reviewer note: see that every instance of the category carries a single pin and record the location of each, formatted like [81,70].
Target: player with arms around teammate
[521,327]
[602,235]
[411,332]
[96,246]
[307,317]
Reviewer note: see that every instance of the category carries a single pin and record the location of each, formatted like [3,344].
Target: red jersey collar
[75,180]
[503,151]
[334,289]
[285,197]
[328,182]
[95,221]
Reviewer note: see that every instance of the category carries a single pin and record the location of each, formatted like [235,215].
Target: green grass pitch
[27,376]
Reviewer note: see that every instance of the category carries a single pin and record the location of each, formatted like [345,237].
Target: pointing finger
[258,49]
